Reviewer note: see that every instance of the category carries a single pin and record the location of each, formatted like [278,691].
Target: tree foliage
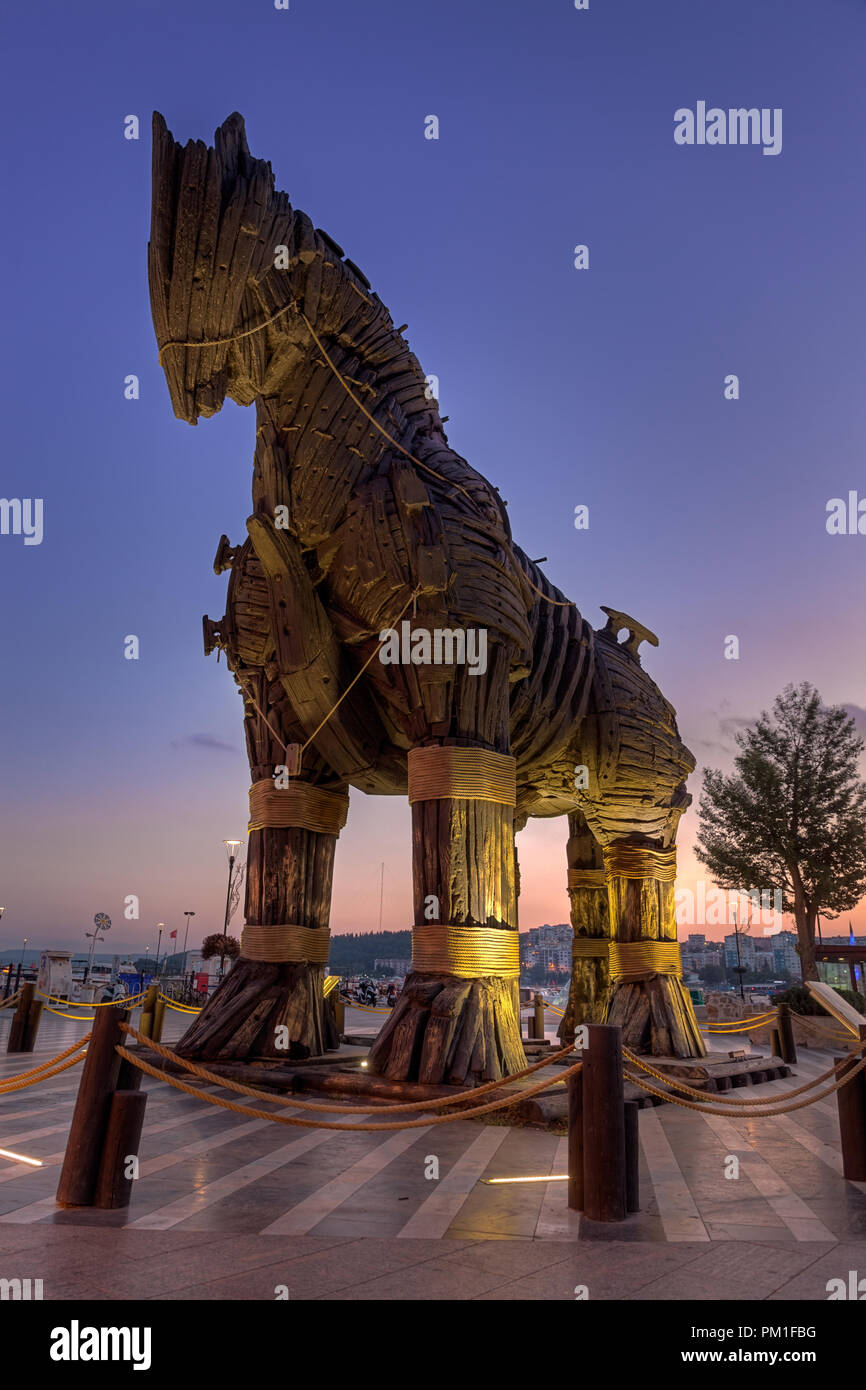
[219,944]
[792,817]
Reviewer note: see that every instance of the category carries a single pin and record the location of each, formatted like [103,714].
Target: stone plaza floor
[228,1207]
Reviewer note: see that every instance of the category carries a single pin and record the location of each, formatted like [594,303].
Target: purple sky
[603,387]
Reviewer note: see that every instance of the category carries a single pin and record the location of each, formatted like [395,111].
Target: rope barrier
[835,1032]
[365,1008]
[126,1002]
[755,1113]
[746,1102]
[743,1025]
[13,999]
[179,1008]
[76,1018]
[331,1109]
[46,1070]
[294,1120]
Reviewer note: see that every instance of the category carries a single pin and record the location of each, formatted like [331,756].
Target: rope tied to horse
[292,305]
[469,953]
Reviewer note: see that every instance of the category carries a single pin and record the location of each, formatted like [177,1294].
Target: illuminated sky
[603,387]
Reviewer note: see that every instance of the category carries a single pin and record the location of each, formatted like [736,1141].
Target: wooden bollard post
[776,1043]
[339,1013]
[575,1141]
[18,1026]
[788,1052]
[148,1008]
[539,1018]
[632,1159]
[92,1108]
[31,1026]
[604,1166]
[851,1102]
[122,1139]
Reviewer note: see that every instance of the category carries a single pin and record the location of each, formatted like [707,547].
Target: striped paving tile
[680,1217]
[555,1219]
[19,1170]
[796,1214]
[434,1216]
[304,1216]
[7,1116]
[801,1129]
[163,1218]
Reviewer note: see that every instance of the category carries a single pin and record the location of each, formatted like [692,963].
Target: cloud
[858,714]
[733,724]
[208,741]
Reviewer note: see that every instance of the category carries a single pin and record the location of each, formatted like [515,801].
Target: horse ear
[232,150]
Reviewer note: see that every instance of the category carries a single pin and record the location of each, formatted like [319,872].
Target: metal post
[539,1017]
[229,890]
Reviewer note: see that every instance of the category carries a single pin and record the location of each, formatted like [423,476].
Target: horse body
[363,518]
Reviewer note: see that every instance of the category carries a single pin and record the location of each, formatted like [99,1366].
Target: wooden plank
[827,996]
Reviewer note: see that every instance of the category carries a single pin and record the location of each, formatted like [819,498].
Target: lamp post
[232,847]
[161,928]
[741,969]
[187,915]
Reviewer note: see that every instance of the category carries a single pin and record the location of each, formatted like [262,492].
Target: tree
[219,944]
[792,818]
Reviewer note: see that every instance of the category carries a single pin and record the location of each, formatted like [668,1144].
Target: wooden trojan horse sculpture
[387,634]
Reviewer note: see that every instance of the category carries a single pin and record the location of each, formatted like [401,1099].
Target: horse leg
[590,919]
[456,1020]
[270,1004]
[648,999]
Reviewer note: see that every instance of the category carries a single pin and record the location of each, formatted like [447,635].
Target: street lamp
[232,847]
[22,953]
[187,915]
[161,927]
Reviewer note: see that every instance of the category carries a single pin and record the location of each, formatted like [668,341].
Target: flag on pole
[172,935]
[851,938]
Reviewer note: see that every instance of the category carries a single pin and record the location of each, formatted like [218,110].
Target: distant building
[547,946]
[747,951]
[786,961]
[396,964]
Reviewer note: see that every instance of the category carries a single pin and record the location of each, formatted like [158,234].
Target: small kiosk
[55,974]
